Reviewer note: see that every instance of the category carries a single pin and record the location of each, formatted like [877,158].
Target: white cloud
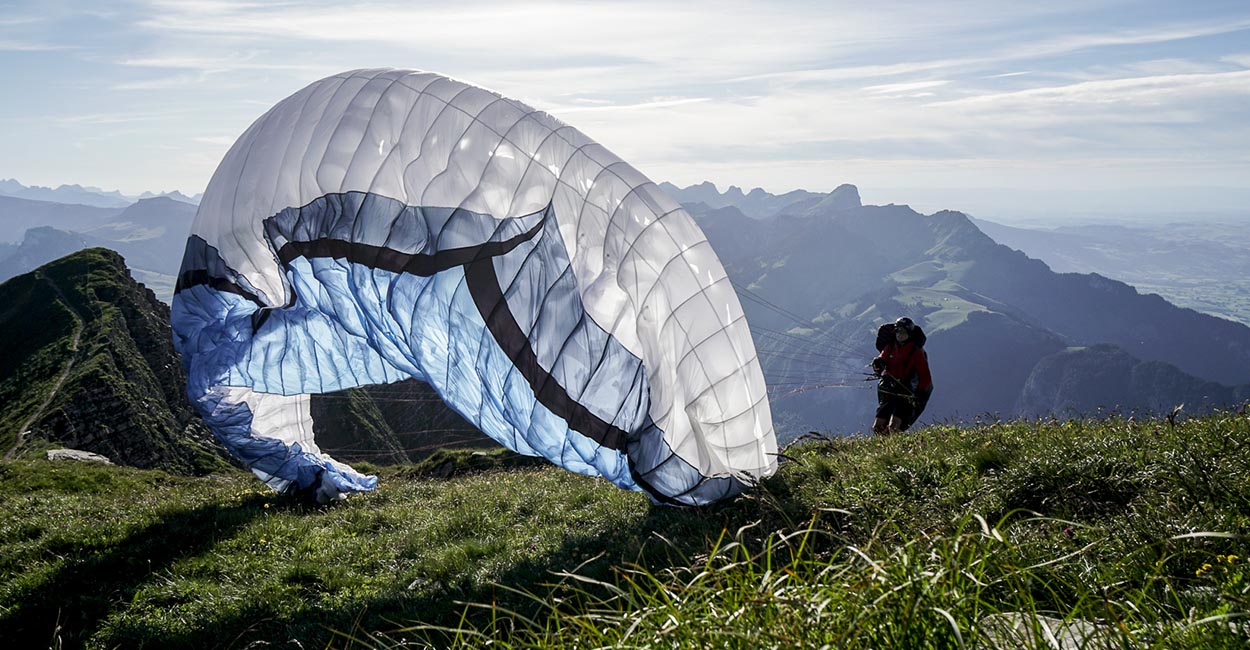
[1122,92]
[163,83]
[27,46]
[216,140]
[123,117]
[1147,68]
[698,90]
[992,54]
[906,87]
[627,31]
[640,46]
[855,72]
[13,21]
[1143,36]
[659,103]
[249,61]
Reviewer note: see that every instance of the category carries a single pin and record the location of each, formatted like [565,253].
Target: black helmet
[904,323]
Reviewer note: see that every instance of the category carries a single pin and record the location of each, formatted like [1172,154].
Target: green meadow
[1113,533]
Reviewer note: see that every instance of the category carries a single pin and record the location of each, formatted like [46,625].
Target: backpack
[885,336]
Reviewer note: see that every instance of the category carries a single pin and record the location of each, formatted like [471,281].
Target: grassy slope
[31,355]
[894,554]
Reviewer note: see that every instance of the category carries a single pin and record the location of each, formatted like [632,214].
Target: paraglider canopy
[380,225]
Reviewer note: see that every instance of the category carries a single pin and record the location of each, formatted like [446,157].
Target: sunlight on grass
[1132,533]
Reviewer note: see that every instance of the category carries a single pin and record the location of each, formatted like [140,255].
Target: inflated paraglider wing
[381,225]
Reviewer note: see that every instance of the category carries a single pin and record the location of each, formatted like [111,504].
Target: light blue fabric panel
[351,323]
[432,331]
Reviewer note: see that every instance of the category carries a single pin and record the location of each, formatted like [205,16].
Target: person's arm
[878,362]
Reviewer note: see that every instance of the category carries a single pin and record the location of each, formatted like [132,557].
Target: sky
[985,106]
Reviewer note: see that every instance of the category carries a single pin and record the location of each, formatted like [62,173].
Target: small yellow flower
[266,505]
[1232,559]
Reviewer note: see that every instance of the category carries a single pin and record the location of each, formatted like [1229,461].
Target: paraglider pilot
[903,368]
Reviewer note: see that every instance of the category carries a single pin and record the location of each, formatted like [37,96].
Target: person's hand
[878,366]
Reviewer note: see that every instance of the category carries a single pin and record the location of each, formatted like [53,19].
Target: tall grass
[1115,533]
[972,587]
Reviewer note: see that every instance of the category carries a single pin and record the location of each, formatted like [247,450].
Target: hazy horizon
[1082,107]
[1035,208]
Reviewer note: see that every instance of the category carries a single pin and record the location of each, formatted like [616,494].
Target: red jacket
[908,364]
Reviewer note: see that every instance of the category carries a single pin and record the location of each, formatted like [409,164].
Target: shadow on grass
[663,537]
[77,597]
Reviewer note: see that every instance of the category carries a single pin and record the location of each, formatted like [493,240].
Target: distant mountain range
[78,194]
[151,234]
[41,224]
[759,204]
[816,273]
[1202,265]
[1005,330]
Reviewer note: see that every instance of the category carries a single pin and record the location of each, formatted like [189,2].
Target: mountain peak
[173,194]
[761,204]
[156,199]
[848,193]
[132,405]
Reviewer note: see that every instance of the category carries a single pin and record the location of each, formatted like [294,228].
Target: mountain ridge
[1201,265]
[759,204]
[150,234]
[84,195]
[88,363]
[817,281]
[992,313]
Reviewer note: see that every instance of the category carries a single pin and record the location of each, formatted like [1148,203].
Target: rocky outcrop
[77,455]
